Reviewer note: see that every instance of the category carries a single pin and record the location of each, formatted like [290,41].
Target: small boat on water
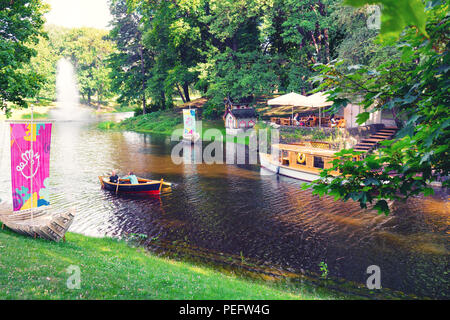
[302,161]
[144,186]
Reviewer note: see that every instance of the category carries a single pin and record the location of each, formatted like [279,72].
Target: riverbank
[165,123]
[159,122]
[112,269]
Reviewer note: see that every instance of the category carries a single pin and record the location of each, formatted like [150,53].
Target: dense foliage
[226,48]
[414,86]
[160,50]
[89,50]
[20,28]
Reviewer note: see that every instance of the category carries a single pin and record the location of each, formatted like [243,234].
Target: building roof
[243,113]
[304,149]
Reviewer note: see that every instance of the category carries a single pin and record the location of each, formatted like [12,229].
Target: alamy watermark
[211,149]
[374,19]
[74,279]
[374,280]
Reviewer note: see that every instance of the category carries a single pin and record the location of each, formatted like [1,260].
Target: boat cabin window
[285,158]
[318,162]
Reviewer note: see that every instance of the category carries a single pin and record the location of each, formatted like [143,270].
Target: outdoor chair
[341,123]
[275,120]
[286,121]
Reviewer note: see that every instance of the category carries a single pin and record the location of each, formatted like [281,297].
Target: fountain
[68,102]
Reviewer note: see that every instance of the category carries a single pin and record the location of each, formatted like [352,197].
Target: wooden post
[160,186]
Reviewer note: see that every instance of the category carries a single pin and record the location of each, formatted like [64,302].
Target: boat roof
[305,149]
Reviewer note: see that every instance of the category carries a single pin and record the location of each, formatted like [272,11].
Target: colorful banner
[30,165]
[189,121]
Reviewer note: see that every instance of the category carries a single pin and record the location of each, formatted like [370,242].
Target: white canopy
[289,99]
[317,100]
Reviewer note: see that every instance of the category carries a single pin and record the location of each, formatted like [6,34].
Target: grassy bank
[165,122]
[160,122]
[36,115]
[112,269]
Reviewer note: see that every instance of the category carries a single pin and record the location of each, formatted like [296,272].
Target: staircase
[371,143]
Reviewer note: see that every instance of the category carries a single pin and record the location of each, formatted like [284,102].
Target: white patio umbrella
[319,100]
[290,99]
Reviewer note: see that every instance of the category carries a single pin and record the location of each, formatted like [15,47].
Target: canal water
[241,212]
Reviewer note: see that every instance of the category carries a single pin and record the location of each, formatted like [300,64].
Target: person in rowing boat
[114,178]
[132,177]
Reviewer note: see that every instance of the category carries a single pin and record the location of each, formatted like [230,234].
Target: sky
[79,13]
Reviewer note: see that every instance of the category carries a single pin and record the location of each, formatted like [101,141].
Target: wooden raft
[39,223]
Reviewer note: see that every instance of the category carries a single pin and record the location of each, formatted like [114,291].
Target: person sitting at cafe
[133,179]
[310,120]
[114,177]
[333,122]
[296,119]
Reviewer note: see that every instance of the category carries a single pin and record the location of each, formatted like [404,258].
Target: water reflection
[232,211]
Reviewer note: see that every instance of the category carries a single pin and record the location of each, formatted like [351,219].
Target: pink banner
[30,165]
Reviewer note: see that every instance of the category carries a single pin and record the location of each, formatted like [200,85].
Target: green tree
[89,50]
[237,66]
[44,63]
[415,84]
[131,63]
[172,34]
[20,28]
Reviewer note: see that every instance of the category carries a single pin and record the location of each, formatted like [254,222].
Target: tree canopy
[21,24]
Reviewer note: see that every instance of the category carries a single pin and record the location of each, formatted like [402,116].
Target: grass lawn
[112,269]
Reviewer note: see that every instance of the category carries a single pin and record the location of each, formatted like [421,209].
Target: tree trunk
[98,100]
[316,46]
[327,45]
[234,44]
[163,99]
[186,91]
[144,87]
[181,93]
[144,103]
